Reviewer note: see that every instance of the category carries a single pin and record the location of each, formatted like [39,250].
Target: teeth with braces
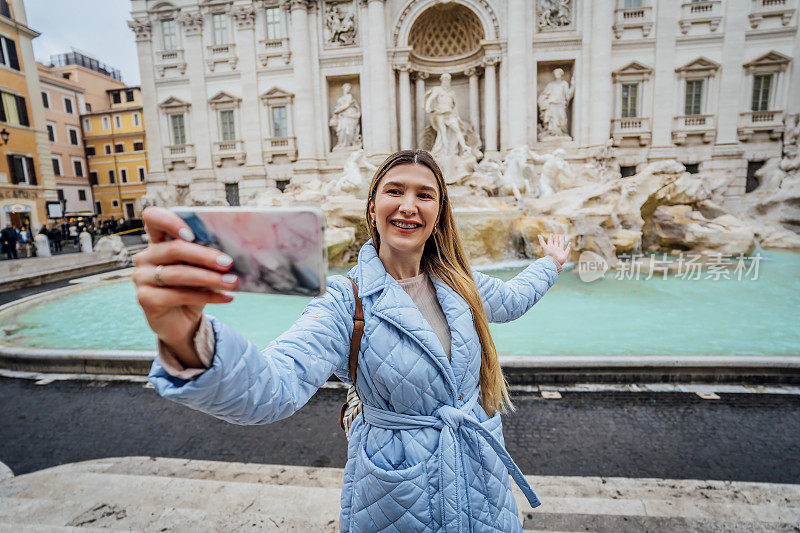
[405,225]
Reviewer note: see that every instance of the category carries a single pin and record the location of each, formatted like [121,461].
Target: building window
[21,169]
[111,178]
[13,109]
[273,17]
[82,195]
[114,203]
[119,148]
[73,136]
[752,181]
[107,148]
[630,100]
[116,97]
[136,119]
[692,168]
[51,133]
[98,208]
[78,166]
[68,105]
[87,124]
[694,97]
[627,171]
[117,121]
[140,170]
[219,21]
[232,193]
[45,100]
[8,53]
[88,106]
[90,150]
[138,146]
[123,175]
[168,34]
[56,166]
[129,95]
[227,125]
[60,195]
[92,177]
[633,4]
[106,123]
[761,87]
[178,129]
[279,124]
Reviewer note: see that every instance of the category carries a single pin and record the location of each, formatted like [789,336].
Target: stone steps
[140,493]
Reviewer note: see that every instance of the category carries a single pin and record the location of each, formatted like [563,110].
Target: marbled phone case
[275,250]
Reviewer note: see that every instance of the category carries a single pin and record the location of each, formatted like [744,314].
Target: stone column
[378,135]
[732,77]
[405,107]
[474,99]
[305,120]
[663,85]
[595,91]
[421,119]
[202,120]
[244,17]
[490,104]
[142,28]
[517,69]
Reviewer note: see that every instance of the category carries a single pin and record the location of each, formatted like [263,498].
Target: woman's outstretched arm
[248,386]
[508,300]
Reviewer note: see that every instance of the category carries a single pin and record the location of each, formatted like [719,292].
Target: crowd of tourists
[18,242]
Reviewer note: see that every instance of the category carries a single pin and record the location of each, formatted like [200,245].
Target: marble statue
[351,182]
[791,143]
[517,173]
[554,14]
[556,174]
[455,145]
[346,119]
[553,103]
[341,26]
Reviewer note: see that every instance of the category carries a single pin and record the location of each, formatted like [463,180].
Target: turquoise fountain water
[605,317]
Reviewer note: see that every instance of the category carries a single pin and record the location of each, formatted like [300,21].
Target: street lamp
[5,135]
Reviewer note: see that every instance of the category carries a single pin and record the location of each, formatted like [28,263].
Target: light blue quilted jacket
[424,456]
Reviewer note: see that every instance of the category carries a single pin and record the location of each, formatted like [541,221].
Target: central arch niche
[446,31]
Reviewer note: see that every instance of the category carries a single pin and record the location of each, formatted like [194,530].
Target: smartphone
[275,250]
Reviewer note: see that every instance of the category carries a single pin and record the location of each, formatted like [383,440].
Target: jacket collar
[369,272]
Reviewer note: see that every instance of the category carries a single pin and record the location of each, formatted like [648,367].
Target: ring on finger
[157,276]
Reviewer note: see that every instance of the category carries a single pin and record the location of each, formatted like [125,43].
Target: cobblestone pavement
[741,437]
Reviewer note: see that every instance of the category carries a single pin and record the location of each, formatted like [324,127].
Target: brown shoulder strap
[358,330]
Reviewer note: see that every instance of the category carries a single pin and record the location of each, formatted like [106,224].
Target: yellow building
[26,173]
[117,154]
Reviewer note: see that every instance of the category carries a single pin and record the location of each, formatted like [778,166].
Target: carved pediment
[277,93]
[163,9]
[173,103]
[223,98]
[633,69]
[770,60]
[701,65]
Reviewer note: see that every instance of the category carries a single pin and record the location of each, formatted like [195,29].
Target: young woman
[427,451]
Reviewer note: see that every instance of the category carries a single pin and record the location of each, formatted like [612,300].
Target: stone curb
[5,472]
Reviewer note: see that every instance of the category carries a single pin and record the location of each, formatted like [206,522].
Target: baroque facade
[243,95]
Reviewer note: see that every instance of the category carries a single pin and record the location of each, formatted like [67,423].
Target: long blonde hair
[445,259]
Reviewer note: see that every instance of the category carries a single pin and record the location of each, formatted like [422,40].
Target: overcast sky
[96,27]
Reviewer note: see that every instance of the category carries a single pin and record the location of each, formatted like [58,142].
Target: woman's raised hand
[175,279]
[555,248]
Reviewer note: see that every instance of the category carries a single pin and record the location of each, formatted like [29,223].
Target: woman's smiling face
[406,207]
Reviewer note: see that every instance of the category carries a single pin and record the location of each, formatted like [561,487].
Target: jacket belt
[449,420]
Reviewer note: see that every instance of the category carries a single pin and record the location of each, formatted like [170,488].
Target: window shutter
[13,61]
[12,169]
[2,110]
[31,171]
[22,111]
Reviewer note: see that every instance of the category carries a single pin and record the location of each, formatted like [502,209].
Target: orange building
[117,154]
[63,102]
[27,183]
